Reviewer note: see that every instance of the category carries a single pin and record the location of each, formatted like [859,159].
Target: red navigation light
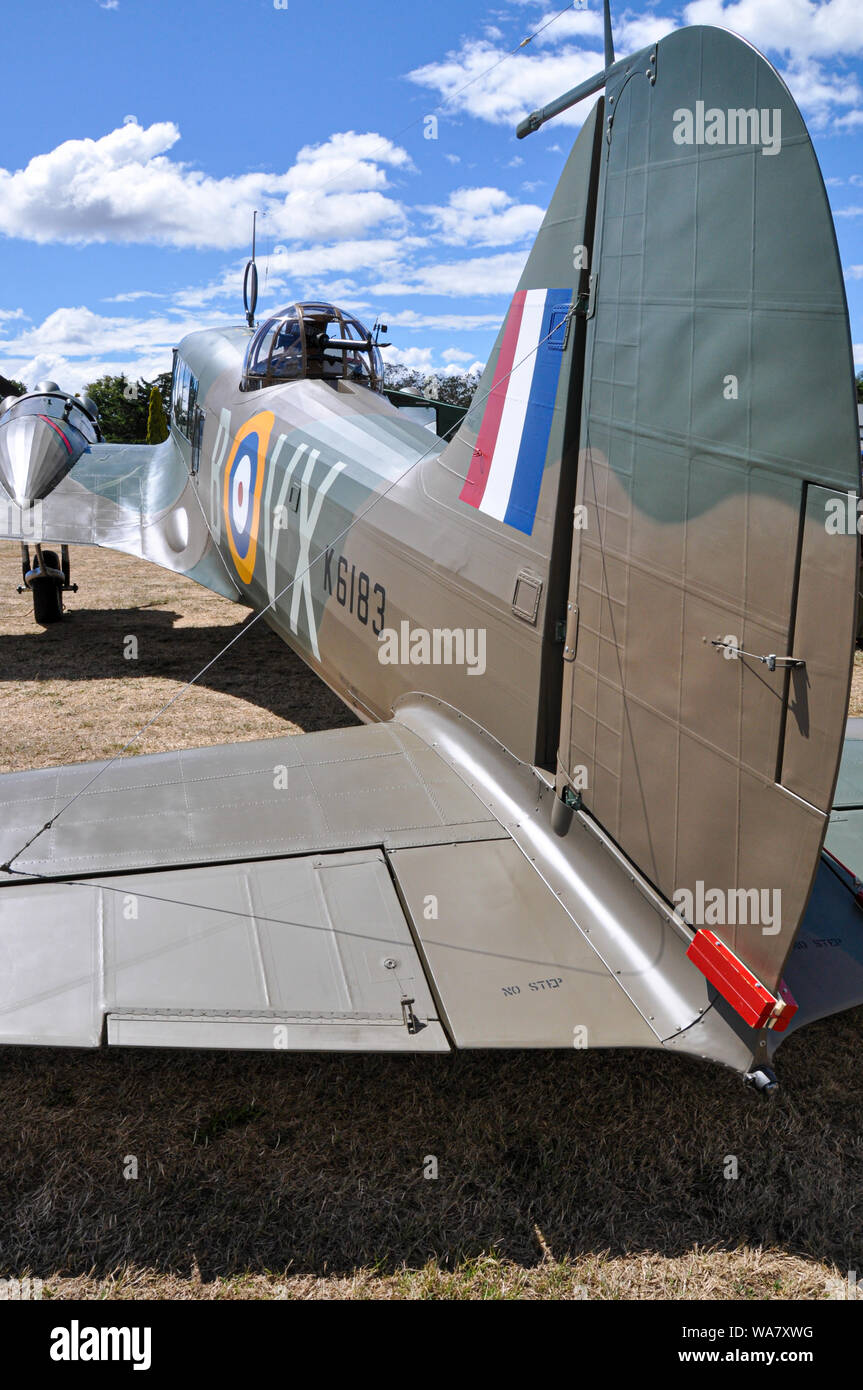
[736,983]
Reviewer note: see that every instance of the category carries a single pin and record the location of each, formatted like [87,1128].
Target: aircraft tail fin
[713,587]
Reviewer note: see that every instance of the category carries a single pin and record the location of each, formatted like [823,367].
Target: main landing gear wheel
[47,578]
[47,589]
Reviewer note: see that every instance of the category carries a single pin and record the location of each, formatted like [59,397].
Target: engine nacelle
[42,436]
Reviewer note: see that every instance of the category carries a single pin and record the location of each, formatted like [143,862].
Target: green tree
[157,424]
[458,388]
[8,387]
[124,405]
[401,378]
[453,388]
[860,386]
[163,382]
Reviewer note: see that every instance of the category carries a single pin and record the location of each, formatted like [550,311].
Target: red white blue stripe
[506,470]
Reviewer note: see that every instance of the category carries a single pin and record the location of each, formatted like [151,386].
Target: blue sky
[137,136]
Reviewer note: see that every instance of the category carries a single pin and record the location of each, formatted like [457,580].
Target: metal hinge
[585,304]
[571,637]
[411,1021]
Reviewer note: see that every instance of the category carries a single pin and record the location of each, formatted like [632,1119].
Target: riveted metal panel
[295,954]
[508,962]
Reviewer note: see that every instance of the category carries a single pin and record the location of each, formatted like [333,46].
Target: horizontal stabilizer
[244,897]
[390,887]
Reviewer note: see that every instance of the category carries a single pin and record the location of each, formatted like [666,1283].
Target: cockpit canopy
[317,341]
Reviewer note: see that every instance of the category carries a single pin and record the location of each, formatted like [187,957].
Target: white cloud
[858,354]
[348,159]
[418,358]
[574,24]
[819,93]
[301,272]
[485,216]
[73,345]
[475,366]
[456,355]
[631,31]
[801,28]
[126,187]
[570,50]
[638,31]
[481,275]
[132,295]
[423,360]
[513,88]
[855,272]
[447,323]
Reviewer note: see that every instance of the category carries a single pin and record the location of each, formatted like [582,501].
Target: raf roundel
[244,480]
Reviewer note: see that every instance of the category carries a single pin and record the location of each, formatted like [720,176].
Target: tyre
[47,601]
[47,592]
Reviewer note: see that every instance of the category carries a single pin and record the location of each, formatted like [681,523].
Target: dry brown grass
[292,1176]
[68,693]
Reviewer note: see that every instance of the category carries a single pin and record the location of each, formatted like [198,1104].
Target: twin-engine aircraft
[600,641]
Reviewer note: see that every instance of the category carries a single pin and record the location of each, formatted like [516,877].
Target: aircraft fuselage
[321,500]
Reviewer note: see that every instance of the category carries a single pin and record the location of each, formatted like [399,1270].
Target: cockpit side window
[261,349]
[184,397]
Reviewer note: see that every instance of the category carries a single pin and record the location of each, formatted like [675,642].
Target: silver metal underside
[393,887]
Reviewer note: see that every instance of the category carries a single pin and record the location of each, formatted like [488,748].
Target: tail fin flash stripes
[478,474]
[507,466]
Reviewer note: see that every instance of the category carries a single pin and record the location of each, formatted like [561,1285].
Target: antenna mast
[250,279]
[609,41]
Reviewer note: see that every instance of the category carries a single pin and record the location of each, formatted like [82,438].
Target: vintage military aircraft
[600,641]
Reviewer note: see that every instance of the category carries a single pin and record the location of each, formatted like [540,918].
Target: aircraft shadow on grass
[259,668]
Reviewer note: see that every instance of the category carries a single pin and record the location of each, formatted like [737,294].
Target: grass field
[560,1175]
